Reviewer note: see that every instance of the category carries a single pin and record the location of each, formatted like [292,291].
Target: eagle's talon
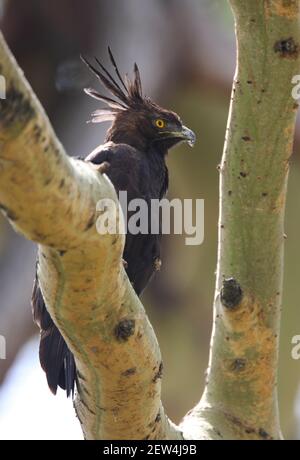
[102,168]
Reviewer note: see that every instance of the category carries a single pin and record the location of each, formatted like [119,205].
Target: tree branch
[51,199]
[240,399]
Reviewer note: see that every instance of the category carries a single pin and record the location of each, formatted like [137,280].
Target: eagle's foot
[102,168]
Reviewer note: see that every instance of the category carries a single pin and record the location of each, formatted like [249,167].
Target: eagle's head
[137,120]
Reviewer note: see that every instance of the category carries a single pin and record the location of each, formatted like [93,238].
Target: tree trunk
[240,399]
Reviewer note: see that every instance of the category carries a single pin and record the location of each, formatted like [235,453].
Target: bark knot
[287,48]
[231,293]
[124,329]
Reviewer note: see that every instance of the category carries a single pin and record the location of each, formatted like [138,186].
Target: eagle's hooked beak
[188,135]
[182,134]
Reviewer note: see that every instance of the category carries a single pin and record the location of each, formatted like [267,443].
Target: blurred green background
[186,54]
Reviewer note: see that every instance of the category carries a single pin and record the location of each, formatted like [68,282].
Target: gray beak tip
[189,136]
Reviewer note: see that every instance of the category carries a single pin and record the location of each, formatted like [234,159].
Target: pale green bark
[240,399]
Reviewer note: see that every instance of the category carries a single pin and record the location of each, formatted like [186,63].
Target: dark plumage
[136,146]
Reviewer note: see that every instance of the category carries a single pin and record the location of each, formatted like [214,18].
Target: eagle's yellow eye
[160,123]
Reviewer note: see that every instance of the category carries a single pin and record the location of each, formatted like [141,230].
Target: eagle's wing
[129,171]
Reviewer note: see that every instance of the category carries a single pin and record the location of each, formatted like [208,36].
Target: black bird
[133,157]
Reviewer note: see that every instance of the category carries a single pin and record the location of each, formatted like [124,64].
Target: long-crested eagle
[135,150]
